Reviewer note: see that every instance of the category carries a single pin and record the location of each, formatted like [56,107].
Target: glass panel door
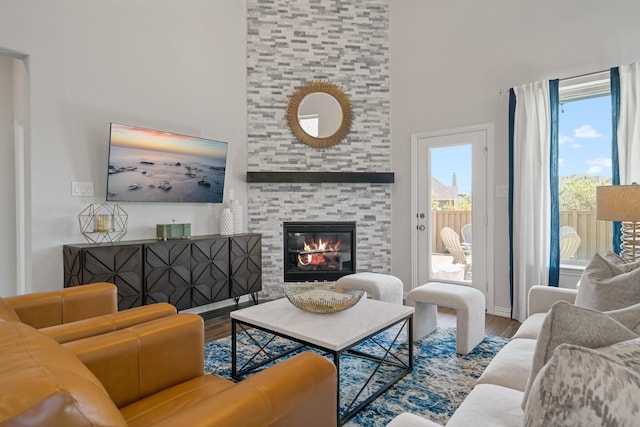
[451,206]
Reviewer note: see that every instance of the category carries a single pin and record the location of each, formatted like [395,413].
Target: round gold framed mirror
[319,114]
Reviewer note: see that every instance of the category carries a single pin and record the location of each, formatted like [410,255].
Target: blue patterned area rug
[439,382]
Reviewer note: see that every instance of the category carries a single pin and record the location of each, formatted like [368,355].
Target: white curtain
[531,196]
[629,124]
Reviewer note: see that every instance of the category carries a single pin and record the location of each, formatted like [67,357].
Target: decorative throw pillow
[621,263]
[626,353]
[568,324]
[583,387]
[628,316]
[605,286]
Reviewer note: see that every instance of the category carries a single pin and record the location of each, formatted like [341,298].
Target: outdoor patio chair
[466,238]
[451,240]
[466,233]
[569,244]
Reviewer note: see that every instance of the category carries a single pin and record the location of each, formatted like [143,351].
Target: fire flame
[317,253]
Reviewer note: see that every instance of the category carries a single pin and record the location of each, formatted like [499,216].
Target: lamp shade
[618,202]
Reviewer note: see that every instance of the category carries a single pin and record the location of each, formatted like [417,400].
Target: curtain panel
[614,80]
[625,108]
[533,175]
[628,130]
[530,206]
[554,189]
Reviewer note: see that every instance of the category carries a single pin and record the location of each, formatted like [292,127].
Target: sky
[148,139]
[447,160]
[584,137]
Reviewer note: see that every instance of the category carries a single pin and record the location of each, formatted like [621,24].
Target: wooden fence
[452,219]
[596,235]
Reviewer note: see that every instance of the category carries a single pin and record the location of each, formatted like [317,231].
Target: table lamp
[622,203]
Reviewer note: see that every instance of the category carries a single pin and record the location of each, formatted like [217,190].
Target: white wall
[178,66]
[451,59]
[7,174]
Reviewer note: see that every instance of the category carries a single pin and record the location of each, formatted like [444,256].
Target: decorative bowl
[321,298]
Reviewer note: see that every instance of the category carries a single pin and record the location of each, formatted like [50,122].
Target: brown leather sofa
[78,312]
[152,374]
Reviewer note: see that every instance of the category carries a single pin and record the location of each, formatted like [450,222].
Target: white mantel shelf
[341,177]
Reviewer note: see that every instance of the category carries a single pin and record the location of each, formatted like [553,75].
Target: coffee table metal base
[389,356]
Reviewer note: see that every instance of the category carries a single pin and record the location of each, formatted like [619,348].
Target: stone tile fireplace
[366,205]
[289,45]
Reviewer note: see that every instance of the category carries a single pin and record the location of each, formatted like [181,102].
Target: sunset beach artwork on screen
[148,165]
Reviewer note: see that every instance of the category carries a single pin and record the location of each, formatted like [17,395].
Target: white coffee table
[333,334]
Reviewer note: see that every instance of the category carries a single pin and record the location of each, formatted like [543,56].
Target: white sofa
[497,396]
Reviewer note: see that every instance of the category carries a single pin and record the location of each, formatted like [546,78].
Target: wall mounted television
[147,165]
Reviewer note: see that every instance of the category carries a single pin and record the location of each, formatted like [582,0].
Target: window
[310,124]
[584,163]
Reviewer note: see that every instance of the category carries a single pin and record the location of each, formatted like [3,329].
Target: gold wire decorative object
[318,298]
[293,108]
[103,223]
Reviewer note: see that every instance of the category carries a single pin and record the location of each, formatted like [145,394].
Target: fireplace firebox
[318,251]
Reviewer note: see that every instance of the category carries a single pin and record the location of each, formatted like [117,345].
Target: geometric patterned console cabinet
[185,273]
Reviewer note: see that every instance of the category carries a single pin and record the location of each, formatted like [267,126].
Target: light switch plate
[82,189]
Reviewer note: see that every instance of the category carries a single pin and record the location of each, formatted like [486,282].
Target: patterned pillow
[568,324]
[626,353]
[585,387]
[606,286]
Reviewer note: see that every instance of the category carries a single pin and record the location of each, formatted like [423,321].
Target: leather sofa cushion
[49,386]
[7,312]
[136,362]
[80,329]
[166,403]
[43,309]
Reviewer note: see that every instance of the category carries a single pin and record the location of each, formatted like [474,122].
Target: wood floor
[218,325]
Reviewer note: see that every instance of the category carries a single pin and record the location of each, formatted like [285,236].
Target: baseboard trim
[501,311]
[220,305]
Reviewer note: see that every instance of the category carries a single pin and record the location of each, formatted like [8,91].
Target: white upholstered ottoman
[381,287]
[406,419]
[468,302]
